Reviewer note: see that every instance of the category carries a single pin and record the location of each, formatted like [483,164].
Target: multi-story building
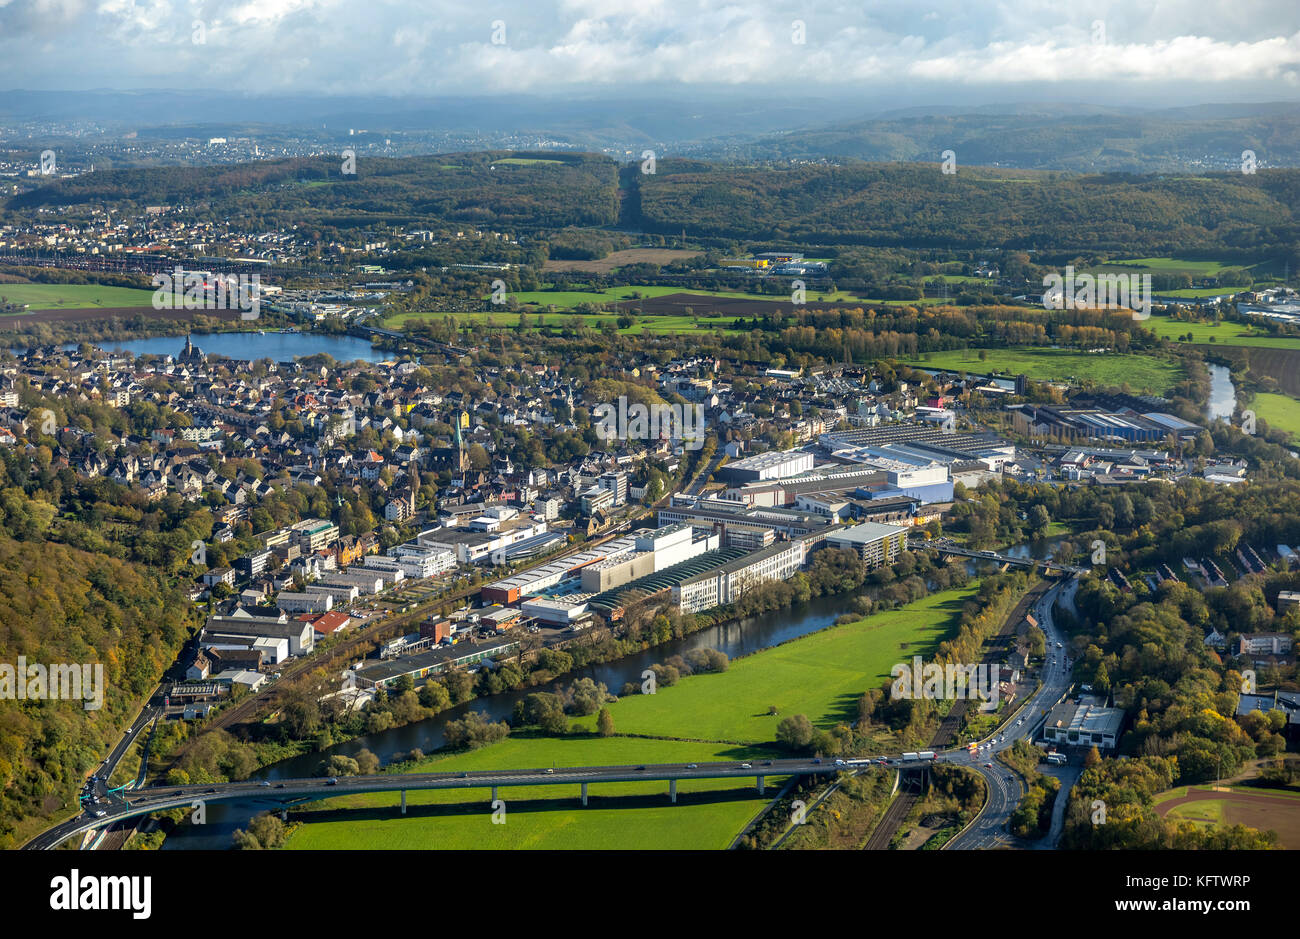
[729,582]
[874,543]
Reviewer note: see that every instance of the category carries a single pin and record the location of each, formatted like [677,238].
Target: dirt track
[1276,813]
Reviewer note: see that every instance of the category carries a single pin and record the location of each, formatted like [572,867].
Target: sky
[1171,51]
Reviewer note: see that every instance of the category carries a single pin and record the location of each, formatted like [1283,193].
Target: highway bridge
[285,792]
[945,547]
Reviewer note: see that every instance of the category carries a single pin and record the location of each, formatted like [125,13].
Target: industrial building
[306,602]
[1085,725]
[485,538]
[725,584]
[778,464]
[1094,423]
[874,543]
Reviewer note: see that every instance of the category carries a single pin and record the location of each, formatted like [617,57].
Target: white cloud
[443,46]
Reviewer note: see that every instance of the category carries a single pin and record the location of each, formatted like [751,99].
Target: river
[736,638]
[1223,396]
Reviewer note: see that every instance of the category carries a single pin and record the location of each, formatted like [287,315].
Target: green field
[74,296]
[1142,373]
[1224,334]
[820,675]
[528,161]
[628,816]
[644,324]
[1280,411]
[569,298]
[1171,266]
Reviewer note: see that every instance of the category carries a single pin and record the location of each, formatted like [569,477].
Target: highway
[287,791]
[1005,787]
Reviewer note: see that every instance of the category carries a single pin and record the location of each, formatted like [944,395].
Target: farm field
[1142,373]
[1280,411]
[1265,809]
[74,296]
[626,816]
[1228,334]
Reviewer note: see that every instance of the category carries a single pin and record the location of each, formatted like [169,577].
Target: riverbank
[715,716]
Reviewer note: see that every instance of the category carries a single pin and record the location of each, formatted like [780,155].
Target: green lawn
[1280,411]
[1227,334]
[1142,373]
[820,675]
[74,296]
[627,816]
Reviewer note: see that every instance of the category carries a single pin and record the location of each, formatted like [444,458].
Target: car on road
[332,781]
[988,765]
[100,814]
[639,768]
[266,783]
[279,785]
[550,769]
[817,760]
[746,766]
[839,762]
[692,766]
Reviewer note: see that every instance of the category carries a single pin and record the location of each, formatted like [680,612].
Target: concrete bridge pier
[284,815]
[584,793]
[494,793]
[672,790]
[760,785]
[403,801]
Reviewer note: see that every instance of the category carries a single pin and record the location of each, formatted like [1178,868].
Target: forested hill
[917,205]
[500,190]
[66,599]
[1233,216]
[1062,137]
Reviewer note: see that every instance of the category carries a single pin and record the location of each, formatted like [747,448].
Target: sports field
[74,296]
[1264,809]
[1142,373]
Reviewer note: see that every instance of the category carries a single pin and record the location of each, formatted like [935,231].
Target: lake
[279,347]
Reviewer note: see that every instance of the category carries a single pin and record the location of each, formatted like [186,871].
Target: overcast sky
[1201,50]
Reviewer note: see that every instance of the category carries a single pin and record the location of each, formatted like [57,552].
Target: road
[95,795]
[1005,787]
